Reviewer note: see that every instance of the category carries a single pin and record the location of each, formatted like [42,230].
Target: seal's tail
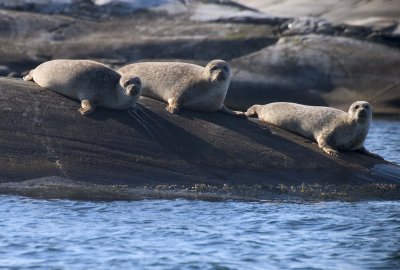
[28,77]
[253,110]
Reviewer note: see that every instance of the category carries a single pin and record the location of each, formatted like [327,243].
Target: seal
[333,129]
[184,85]
[92,83]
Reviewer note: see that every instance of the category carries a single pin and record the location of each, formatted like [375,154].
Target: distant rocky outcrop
[335,11]
[92,8]
[318,70]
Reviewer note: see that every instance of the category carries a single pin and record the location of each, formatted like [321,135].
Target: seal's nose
[363,112]
[221,76]
[129,90]
[132,90]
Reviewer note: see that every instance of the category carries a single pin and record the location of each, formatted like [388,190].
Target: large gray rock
[318,70]
[116,153]
[28,39]
[334,10]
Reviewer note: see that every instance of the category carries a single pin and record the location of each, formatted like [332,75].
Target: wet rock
[55,187]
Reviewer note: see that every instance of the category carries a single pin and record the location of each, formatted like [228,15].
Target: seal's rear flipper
[28,77]
[252,110]
[226,110]
[368,153]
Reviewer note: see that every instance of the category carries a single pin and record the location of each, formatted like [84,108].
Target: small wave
[62,188]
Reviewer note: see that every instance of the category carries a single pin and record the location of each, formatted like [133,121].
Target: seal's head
[360,111]
[218,71]
[132,86]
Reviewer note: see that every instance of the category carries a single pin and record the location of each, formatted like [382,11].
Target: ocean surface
[384,139]
[194,234]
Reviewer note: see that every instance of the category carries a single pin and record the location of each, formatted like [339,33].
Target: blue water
[183,234]
[384,139]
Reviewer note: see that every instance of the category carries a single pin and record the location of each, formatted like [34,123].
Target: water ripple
[384,139]
[180,234]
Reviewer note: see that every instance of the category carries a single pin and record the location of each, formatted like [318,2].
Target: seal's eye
[131,81]
[214,68]
[356,107]
[127,82]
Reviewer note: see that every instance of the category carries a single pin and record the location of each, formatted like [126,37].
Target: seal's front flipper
[226,110]
[86,107]
[173,106]
[172,109]
[331,151]
[364,151]
[321,140]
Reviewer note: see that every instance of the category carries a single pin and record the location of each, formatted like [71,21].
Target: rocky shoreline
[44,137]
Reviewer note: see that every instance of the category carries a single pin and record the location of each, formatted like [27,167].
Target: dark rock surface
[42,136]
